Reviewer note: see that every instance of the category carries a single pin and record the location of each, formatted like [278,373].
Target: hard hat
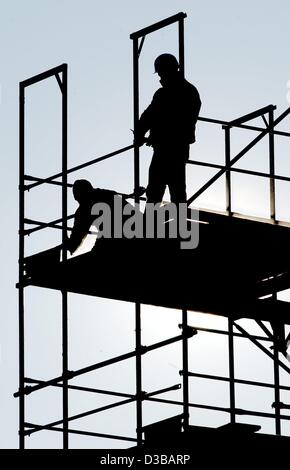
[81,188]
[166,62]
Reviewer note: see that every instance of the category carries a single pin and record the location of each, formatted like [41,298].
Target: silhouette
[87,196]
[281,341]
[171,118]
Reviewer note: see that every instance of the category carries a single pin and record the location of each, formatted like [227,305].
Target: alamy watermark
[159,221]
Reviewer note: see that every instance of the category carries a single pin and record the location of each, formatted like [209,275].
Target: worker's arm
[82,223]
[137,192]
[196,105]
[191,109]
[145,121]
[142,127]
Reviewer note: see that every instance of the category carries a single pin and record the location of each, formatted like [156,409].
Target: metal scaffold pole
[232,372]
[21,264]
[136,117]
[181,45]
[185,369]
[138,374]
[227,130]
[272,165]
[136,186]
[277,385]
[64,257]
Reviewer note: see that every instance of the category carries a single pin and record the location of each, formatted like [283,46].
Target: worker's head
[166,65]
[82,190]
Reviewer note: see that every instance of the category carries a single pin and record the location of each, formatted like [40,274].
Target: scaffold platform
[236,264]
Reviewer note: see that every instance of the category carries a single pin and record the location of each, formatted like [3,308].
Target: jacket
[171,117]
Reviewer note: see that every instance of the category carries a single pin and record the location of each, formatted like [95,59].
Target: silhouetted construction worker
[87,196]
[171,118]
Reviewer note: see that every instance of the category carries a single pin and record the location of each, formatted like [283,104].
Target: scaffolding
[261,309]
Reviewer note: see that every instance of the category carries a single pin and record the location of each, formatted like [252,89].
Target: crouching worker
[105,209]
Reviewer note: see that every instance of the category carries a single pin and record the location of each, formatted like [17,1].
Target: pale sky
[237,55]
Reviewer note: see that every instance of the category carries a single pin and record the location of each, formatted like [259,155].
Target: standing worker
[171,118]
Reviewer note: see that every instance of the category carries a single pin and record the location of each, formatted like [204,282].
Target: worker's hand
[141,140]
[148,142]
[138,192]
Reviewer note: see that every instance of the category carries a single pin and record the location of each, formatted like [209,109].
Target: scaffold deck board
[236,262]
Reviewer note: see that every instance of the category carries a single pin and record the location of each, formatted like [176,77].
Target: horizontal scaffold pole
[238,381]
[82,415]
[237,157]
[42,76]
[38,181]
[253,115]
[159,25]
[241,126]
[238,411]
[107,392]
[80,167]
[103,408]
[189,332]
[224,332]
[84,433]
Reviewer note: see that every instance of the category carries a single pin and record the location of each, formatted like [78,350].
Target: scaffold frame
[28,182]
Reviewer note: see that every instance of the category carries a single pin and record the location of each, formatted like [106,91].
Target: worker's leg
[157,180]
[155,191]
[177,184]
[177,173]
[177,181]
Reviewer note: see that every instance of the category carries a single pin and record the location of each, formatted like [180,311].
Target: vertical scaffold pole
[232,371]
[276,384]
[21,265]
[136,116]
[272,166]
[64,257]
[228,172]
[138,374]
[185,370]
[276,331]
[136,186]
[181,45]
[184,312]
